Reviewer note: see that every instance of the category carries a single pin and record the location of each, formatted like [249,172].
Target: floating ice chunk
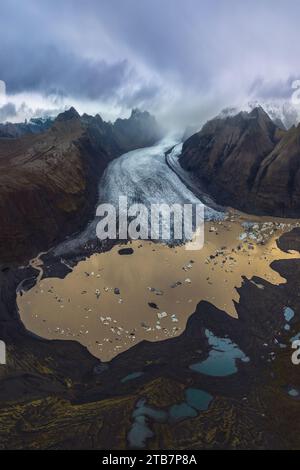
[162,315]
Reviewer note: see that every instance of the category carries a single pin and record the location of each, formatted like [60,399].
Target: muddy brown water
[104,302]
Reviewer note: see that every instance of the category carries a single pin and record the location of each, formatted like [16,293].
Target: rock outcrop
[139,130]
[248,162]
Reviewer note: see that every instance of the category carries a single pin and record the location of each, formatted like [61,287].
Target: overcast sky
[183,60]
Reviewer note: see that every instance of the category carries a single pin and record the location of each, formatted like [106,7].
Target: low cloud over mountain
[183,61]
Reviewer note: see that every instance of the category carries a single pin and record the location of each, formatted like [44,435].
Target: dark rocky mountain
[49,180]
[140,128]
[248,162]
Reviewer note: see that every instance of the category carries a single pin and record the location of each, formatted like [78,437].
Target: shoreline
[179,279]
[70,381]
[166,375]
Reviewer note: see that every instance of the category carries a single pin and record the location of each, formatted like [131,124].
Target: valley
[149,334]
[110,302]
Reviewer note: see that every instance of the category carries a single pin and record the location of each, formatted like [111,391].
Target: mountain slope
[49,181]
[248,162]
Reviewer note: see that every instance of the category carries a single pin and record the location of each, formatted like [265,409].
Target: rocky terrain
[55,395]
[248,162]
[48,180]
[33,126]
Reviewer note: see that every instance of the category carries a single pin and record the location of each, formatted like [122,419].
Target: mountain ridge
[247,161]
[49,180]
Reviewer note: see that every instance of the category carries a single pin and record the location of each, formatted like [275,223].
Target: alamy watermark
[160,221]
[2,92]
[296,354]
[2,352]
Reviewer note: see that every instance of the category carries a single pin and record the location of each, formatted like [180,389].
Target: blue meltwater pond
[222,357]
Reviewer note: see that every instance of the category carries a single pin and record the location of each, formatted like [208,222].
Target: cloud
[182,60]
[7,111]
[267,89]
[56,72]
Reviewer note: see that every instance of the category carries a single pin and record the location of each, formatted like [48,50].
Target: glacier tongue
[144,177]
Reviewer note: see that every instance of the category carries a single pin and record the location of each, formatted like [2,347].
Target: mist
[183,62]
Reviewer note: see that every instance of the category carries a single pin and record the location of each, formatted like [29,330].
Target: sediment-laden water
[110,302]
